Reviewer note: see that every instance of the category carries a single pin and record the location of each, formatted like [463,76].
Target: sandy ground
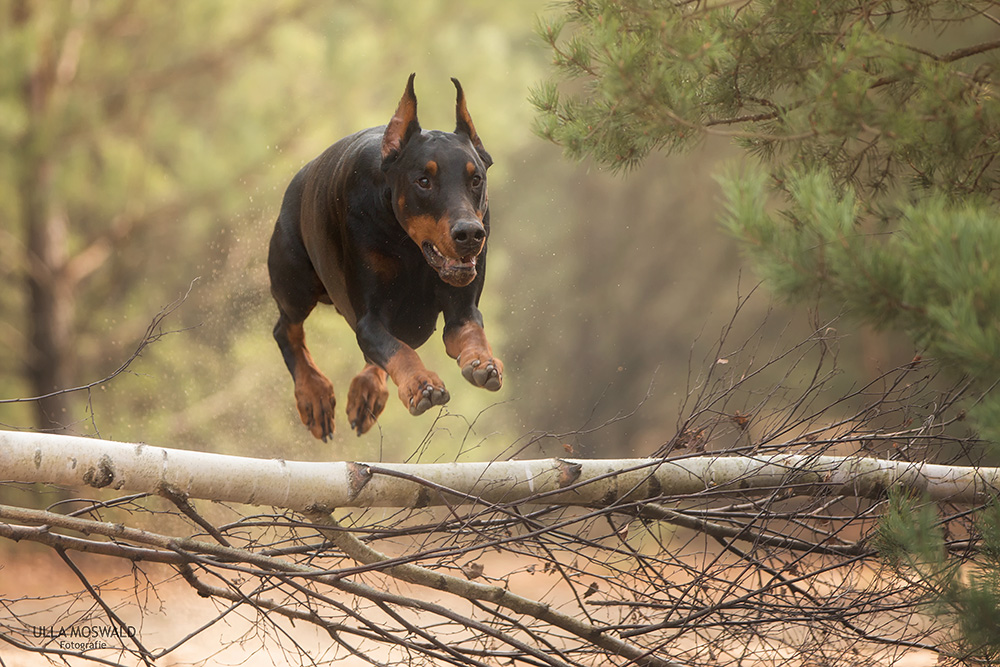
[169,616]
[35,588]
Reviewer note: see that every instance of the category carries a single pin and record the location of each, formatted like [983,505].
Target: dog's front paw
[482,370]
[421,391]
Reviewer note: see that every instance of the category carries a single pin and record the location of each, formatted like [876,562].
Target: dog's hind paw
[315,401]
[366,398]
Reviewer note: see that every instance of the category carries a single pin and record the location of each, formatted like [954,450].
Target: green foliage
[909,532]
[848,86]
[871,183]
[910,540]
[874,124]
[932,273]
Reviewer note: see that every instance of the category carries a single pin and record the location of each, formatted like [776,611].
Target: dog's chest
[412,310]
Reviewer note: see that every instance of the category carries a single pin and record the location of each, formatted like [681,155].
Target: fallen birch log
[320,486]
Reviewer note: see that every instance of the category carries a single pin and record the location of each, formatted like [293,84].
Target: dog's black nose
[468,236]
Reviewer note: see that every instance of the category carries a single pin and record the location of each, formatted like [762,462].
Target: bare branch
[154,332]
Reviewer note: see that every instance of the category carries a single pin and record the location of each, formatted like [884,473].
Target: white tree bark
[318,487]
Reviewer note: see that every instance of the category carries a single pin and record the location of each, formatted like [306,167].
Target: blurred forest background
[146,148]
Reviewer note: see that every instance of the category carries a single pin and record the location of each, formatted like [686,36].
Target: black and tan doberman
[390,226]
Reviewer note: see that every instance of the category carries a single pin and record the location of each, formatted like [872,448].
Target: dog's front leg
[465,342]
[419,388]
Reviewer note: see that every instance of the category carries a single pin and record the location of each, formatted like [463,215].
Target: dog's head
[438,184]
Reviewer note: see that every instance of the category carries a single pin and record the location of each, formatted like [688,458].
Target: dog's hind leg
[366,398]
[314,395]
[297,290]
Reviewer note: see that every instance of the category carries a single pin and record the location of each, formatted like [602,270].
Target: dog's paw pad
[428,397]
[487,375]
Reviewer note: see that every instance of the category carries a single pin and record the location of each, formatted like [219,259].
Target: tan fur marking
[470,336]
[419,388]
[395,130]
[303,358]
[468,346]
[428,228]
[404,365]
[313,391]
[462,114]
[366,398]
[386,266]
[296,336]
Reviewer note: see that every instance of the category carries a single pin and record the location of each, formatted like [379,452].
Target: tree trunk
[50,305]
[50,295]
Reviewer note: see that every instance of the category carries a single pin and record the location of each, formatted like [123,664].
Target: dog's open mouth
[458,272]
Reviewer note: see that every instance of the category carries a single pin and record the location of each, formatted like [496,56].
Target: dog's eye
[477,180]
[424,183]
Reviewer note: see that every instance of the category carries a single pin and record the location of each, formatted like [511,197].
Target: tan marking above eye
[431,168]
[470,168]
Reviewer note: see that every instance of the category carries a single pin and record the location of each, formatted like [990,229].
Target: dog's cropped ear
[401,127]
[463,124]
